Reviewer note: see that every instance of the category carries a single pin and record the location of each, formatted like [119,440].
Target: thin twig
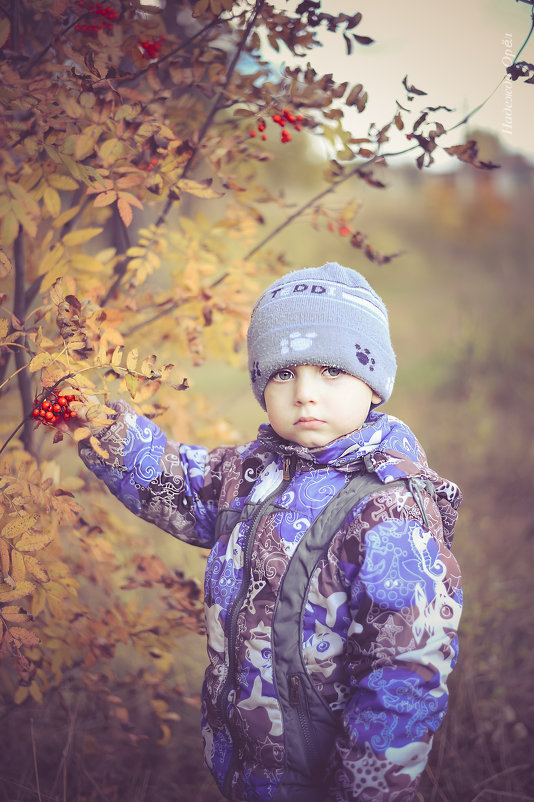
[38,56]
[170,54]
[499,774]
[35,761]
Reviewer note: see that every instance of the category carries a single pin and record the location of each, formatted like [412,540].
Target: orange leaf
[105,198]
[125,211]
[25,636]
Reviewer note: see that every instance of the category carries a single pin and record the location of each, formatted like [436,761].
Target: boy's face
[312,404]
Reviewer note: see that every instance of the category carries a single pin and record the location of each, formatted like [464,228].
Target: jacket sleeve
[174,486]
[405,603]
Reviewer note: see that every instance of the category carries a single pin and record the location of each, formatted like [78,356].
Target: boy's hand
[80,408]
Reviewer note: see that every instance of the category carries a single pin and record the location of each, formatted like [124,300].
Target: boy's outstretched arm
[171,485]
[406,598]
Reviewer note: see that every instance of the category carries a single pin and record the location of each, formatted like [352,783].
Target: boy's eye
[331,372]
[283,375]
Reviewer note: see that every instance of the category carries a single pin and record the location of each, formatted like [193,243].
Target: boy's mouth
[308,423]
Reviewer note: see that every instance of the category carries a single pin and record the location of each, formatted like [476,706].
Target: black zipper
[297,700]
[233,615]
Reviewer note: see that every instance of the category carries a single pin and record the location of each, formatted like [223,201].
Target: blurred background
[459,294]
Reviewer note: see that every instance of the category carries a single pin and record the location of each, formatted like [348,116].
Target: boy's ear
[375,399]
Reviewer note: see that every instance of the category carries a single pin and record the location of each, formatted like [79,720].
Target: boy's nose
[305,389]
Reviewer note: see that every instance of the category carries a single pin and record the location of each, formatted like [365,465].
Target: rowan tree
[136,142]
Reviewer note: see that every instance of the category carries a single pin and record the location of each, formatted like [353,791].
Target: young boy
[332,597]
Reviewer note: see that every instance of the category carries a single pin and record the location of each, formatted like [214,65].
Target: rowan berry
[263,136]
[49,414]
[62,401]
[286,136]
[261,127]
[73,414]
[35,413]
[252,133]
[56,408]
[46,404]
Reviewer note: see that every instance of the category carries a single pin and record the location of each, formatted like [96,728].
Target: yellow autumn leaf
[52,201]
[18,526]
[84,262]
[40,361]
[81,434]
[29,203]
[24,588]
[31,542]
[35,691]
[21,694]
[165,734]
[5,266]
[202,189]
[15,615]
[18,569]
[35,568]
[25,636]
[53,275]
[5,558]
[26,220]
[62,182]
[10,229]
[131,383]
[80,236]
[131,359]
[66,216]
[52,258]
[98,448]
[147,366]
[38,602]
[110,151]
[116,359]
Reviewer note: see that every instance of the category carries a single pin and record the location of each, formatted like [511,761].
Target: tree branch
[217,104]
[19,310]
[123,267]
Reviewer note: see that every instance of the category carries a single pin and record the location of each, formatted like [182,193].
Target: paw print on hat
[255,373]
[297,342]
[363,356]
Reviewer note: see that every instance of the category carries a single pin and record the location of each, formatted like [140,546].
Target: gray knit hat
[326,315]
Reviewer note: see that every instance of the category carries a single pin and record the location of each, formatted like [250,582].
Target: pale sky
[453,51]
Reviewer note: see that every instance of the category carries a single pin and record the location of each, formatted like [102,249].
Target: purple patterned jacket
[373,629]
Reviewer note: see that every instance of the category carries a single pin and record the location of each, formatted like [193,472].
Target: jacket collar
[379,433]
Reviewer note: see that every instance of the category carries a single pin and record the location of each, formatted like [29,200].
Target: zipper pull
[286,468]
[294,690]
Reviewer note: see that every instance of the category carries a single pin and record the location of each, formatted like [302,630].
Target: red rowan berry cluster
[152,49]
[53,409]
[100,18]
[342,228]
[287,116]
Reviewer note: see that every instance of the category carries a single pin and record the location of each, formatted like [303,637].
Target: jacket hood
[384,445]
